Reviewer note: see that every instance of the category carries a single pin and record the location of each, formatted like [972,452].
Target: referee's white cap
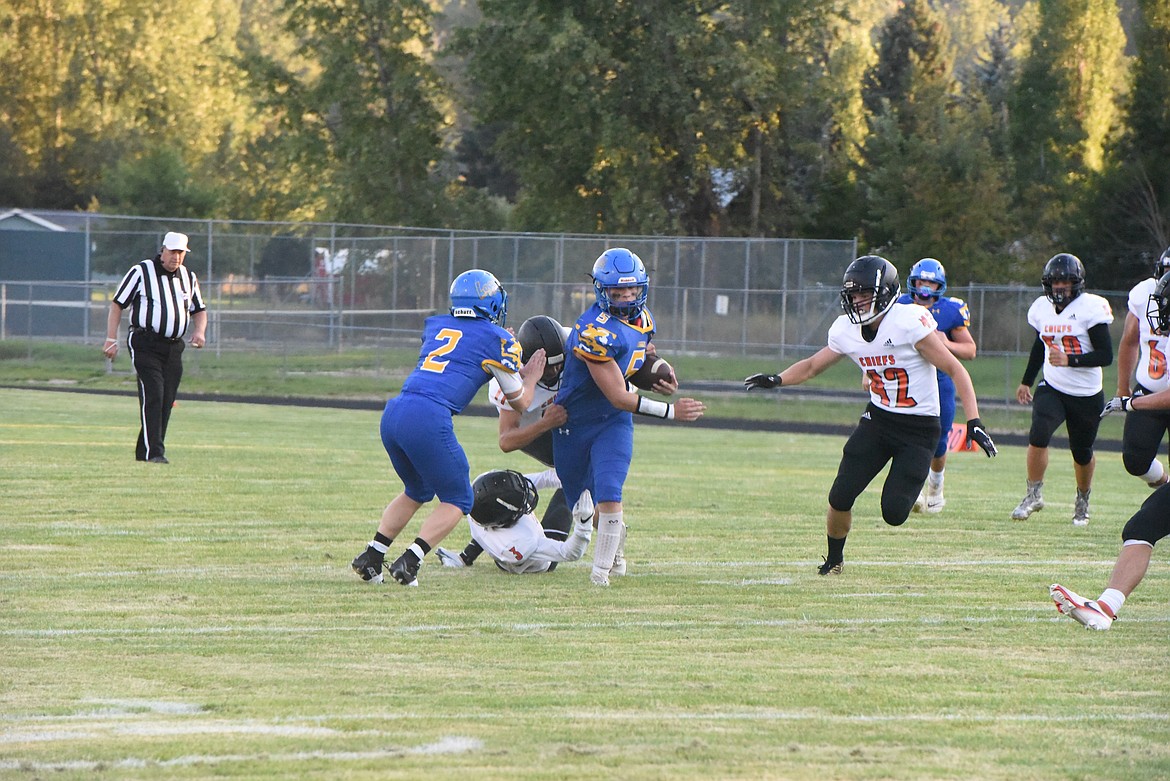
[176,241]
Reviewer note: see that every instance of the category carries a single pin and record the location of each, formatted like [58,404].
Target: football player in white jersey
[504,527]
[1072,343]
[1148,525]
[898,347]
[531,431]
[1141,357]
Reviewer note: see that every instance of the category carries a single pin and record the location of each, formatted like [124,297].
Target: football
[651,371]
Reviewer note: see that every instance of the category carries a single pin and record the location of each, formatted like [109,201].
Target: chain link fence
[329,286]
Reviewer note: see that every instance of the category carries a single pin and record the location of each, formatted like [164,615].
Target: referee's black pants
[158,362]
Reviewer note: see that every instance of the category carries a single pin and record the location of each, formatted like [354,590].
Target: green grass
[200,620]
[375,374]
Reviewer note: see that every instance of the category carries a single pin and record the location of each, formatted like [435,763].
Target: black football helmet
[874,274]
[1059,268]
[501,497]
[542,331]
[1162,264]
[1158,308]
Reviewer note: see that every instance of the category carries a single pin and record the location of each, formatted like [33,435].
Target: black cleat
[368,566]
[405,569]
[831,567]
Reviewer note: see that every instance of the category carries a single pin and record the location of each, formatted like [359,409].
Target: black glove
[1117,404]
[763,381]
[977,434]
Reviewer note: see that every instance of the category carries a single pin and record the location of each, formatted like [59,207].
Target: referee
[164,300]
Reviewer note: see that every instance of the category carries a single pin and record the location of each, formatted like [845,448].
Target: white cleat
[934,500]
[919,504]
[1085,612]
[450,558]
[599,577]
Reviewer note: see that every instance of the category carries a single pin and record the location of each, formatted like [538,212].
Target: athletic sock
[1112,599]
[836,549]
[419,548]
[936,479]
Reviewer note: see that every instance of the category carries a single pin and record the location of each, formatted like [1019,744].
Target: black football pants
[158,362]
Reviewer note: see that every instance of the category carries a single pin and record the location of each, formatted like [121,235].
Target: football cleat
[1032,502]
[919,504]
[368,565]
[1092,615]
[405,569]
[449,558]
[934,499]
[831,567]
[1081,510]
[599,577]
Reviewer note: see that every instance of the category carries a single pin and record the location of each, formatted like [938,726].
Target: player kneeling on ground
[504,526]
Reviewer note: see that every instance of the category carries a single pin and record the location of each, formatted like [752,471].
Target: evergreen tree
[1128,220]
[1065,106]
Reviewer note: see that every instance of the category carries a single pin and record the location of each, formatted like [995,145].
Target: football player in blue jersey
[593,449]
[927,283]
[461,352]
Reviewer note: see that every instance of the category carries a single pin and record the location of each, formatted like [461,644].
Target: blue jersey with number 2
[455,359]
[417,430]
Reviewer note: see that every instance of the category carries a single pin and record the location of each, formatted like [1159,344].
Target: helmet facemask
[1158,307]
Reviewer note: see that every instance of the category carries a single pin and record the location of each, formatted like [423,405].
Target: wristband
[654,409]
[112,339]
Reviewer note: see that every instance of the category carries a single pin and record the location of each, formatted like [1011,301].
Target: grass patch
[200,619]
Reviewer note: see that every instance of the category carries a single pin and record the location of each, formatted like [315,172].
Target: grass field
[200,620]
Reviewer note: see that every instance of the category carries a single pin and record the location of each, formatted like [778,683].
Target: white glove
[583,509]
[1117,404]
[449,559]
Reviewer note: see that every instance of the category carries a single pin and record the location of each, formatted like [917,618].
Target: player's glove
[762,381]
[977,434]
[583,509]
[1117,404]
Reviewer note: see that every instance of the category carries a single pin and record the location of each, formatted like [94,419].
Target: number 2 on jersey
[447,338]
[892,378]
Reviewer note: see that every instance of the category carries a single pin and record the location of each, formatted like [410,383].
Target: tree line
[987,133]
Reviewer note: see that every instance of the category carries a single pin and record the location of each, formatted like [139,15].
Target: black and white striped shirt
[162,302]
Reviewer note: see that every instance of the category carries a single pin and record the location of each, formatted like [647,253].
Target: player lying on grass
[503,524]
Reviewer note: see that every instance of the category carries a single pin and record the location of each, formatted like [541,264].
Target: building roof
[20,220]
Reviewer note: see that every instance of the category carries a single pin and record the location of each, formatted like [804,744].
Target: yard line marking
[1000,617]
[447,745]
[649,567]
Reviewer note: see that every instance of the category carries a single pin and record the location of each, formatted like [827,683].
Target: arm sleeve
[569,550]
[509,381]
[1102,352]
[1035,361]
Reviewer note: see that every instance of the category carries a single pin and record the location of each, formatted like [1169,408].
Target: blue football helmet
[927,270]
[477,293]
[619,267]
